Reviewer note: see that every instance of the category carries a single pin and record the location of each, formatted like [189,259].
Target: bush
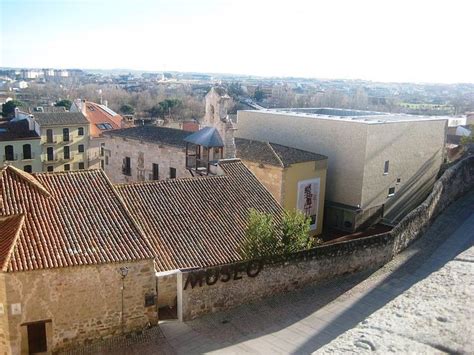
[264,238]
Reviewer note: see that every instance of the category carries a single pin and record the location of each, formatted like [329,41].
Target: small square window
[150,300]
[27,168]
[67,167]
[391,191]
[398,180]
[81,166]
[50,168]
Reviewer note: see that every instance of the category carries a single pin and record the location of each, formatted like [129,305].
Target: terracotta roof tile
[198,222]
[73,218]
[273,154]
[9,231]
[98,114]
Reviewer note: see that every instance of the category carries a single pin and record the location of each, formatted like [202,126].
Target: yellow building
[64,140]
[296,178]
[20,145]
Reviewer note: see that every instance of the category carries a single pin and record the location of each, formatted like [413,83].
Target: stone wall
[219,288]
[215,289]
[269,176]
[455,182]
[142,156]
[80,303]
[167,290]
[4,344]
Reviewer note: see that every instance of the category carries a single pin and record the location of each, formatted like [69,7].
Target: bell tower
[217,102]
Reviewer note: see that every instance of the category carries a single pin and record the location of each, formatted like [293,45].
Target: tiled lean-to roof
[70,219]
[273,154]
[198,222]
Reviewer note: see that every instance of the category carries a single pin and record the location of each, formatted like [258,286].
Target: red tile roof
[72,218]
[98,114]
[9,231]
[198,222]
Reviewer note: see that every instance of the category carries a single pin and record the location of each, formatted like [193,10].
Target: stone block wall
[81,303]
[455,182]
[142,156]
[219,288]
[4,334]
[167,291]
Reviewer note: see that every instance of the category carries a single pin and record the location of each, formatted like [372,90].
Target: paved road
[321,318]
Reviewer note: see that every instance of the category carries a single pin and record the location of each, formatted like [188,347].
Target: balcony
[28,156]
[50,142]
[10,157]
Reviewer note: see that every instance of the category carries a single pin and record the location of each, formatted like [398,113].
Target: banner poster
[308,199]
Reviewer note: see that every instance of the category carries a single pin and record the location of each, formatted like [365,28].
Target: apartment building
[101,119]
[379,165]
[64,140]
[20,145]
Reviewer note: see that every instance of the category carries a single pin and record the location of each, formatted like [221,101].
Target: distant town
[132,200]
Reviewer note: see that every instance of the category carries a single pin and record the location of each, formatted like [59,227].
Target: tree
[8,108]
[264,238]
[127,109]
[259,95]
[65,103]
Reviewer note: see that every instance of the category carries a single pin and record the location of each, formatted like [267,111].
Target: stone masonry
[79,304]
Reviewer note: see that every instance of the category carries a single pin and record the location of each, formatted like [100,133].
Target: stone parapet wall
[215,289]
[455,182]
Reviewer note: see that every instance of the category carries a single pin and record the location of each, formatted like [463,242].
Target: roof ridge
[276,154]
[168,181]
[30,179]
[8,256]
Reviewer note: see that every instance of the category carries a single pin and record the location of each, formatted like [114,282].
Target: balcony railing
[28,156]
[10,157]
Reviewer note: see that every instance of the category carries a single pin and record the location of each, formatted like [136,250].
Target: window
[127,167]
[106,160]
[80,131]
[102,147]
[385,167]
[104,126]
[49,136]
[80,148]
[27,151]
[172,173]
[67,167]
[81,166]
[27,168]
[102,164]
[65,134]
[391,191]
[9,153]
[398,180]
[50,168]
[67,152]
[156,172]
[50,154]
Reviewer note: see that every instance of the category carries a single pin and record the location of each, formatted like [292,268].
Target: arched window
[9,153]
[27,151]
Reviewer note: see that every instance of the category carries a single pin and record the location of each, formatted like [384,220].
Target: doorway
[37,340]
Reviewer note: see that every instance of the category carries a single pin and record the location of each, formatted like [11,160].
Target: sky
[379,40]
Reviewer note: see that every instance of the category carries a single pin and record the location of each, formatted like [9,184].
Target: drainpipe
[123,272]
